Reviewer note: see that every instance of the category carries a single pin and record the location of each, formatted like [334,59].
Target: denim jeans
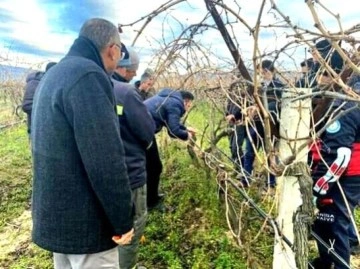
[249,156]
[236,140]
[354,241]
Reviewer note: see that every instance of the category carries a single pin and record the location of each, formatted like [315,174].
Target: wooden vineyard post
[294,200]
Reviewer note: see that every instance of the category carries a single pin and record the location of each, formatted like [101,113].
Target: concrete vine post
[294,186]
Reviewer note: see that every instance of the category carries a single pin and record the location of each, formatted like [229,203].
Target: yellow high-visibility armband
[119,109]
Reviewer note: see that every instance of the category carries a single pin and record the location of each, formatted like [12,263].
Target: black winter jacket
[144,95]
[119,77]
[274,92]
[137,131]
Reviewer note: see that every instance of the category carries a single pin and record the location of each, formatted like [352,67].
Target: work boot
[317,263]
[158,205]
[355,250]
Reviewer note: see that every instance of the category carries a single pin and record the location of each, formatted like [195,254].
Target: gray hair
[101,32]
[148,74]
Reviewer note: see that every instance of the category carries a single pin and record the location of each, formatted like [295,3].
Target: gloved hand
[337,168]
[323,185]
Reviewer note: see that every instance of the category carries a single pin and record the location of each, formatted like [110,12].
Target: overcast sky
[35,31]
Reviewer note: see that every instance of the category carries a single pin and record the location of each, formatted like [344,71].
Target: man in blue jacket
[166,108]
[137,132]
[234,117]
[81,203]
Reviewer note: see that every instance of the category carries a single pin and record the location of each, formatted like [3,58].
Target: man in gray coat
[81,204]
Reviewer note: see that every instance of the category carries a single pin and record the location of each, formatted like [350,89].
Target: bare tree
[184,57]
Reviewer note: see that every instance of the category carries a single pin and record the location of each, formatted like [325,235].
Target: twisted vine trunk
[303,217]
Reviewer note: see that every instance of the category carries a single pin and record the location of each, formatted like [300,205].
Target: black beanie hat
[324,47]
[308,63]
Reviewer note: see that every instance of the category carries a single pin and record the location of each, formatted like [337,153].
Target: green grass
[205,117]
[32,257]
[192,234]
[15,173]
[15,193]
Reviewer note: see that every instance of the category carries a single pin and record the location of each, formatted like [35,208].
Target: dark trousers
[354,241]
[237,138]
[249,156]
[333,223]
[153,171]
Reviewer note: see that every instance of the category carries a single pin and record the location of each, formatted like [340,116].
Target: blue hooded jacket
[166,109]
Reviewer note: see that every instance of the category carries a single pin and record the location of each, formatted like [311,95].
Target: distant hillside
[8,72]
